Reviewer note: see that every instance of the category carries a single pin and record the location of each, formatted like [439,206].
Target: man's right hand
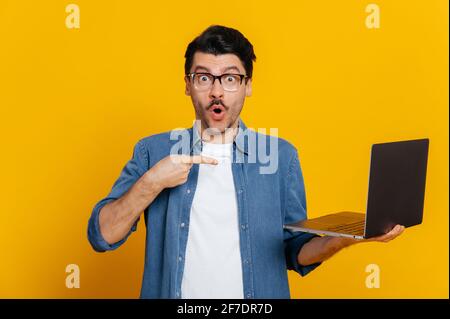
[117,217]
[173,170]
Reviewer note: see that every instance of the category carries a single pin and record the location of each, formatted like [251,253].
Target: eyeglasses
[229,82]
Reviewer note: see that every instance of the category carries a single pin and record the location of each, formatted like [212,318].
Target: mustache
[216,102]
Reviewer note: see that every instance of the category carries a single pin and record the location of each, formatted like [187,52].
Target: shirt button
[178,294]
[249,295]
[180,258]
[244,226]
[182,225]
[240,191]
[188,191]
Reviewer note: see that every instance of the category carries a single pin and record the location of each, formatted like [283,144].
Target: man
[214,221]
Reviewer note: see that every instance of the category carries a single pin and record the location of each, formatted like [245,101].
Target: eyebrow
[232,67]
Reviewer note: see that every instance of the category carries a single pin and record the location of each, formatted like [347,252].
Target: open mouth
[217,108]
[217,112]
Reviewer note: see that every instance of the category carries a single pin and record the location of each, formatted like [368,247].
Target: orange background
[74,102]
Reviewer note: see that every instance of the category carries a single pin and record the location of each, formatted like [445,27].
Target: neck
[210,135]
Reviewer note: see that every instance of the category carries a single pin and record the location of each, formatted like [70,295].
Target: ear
[188,86]
[248,88]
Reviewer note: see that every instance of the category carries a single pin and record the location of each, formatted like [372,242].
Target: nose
[216,90]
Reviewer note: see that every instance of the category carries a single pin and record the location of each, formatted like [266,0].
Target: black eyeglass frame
[218,77]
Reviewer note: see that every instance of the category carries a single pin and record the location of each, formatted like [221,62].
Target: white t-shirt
[213,266]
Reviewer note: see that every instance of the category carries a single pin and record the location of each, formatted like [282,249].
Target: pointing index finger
[199,159]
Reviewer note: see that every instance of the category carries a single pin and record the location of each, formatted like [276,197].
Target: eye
[227,79]
[204,78]
[230,78]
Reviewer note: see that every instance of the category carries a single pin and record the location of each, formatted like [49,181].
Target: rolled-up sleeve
[132,171]
[296,211]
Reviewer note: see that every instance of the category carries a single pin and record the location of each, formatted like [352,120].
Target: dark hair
[221,40]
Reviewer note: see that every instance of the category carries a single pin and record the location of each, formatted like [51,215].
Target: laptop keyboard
[353,228]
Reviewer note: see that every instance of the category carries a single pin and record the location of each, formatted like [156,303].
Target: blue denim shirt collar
[239,141]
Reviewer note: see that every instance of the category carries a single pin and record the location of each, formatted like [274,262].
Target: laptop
[396,194]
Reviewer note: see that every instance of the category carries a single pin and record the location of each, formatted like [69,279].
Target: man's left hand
[394,233]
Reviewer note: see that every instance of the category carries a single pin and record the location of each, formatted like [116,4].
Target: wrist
[151,183]
[339,243]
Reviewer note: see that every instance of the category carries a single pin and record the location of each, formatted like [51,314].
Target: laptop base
[342,224]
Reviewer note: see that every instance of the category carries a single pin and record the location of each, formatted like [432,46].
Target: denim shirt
[265,203]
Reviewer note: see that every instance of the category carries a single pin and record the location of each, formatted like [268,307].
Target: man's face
[208,101]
